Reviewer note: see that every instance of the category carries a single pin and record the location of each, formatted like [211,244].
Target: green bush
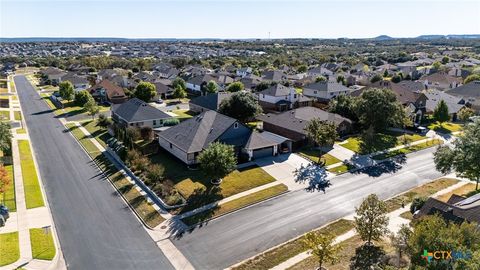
[82,97]
[171,122]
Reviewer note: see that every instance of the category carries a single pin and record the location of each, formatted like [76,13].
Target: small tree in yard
[103,121]
[145,91]
[400,240]
[155,172]
[465,113]
[217,161]
[464,157]
[92,108]
[5,136]
[211,87]
[322,247]
[5,182]
[66,90]
[242,106]
[82,97]
[371,220]
[235,87]
[322,133]
[440,113]
[179,92]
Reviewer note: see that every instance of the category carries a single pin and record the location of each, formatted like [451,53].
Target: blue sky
[237,18]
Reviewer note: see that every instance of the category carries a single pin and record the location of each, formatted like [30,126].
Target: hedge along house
[189,138]
[136,113]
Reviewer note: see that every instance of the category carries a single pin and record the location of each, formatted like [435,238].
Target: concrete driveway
[282,168]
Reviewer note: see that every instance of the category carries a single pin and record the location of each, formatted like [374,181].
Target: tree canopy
[471,78]
[440,113]
[322,247]
[91,107]
[218,160]
[371,219]
[235,87]
[5,136]
[145,91]
[82,97]
[66,91]
[343,105]
[211,87]
[242,106]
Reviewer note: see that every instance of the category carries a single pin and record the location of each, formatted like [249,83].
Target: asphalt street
[237,236]
[96,228]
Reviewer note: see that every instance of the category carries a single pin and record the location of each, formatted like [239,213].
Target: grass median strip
[33,193]
[10,193]
[236,204]
[144,209]
[43,247]
[410,149]
[341,168]
[17,115]
[9,248]
[292,248]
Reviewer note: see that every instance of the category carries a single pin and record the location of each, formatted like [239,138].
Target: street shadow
[385,167]
[42,112]
[314,175]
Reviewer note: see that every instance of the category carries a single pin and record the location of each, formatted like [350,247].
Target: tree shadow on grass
[376,142]
[366,257]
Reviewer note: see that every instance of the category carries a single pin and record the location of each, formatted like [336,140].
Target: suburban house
[281,98]
[163,89]
[189,138]
[53,75]
[457,209]
[429,99]
[208,102]
[242,72]
[106,91]
[405,92]
[136,113]
[325,90]
[441,81]
[196,83]
[470,93]
[165,71]
[250,81]
[273,76]
[319,71]
[291,124]
[79,82]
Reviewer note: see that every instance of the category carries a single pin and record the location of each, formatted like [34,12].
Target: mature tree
[376,78]
[385,73]
[5,182]
[379,108]
[179,82]
[445,60]
[103,121]
[211,87]
[437,65]
[66,90]
[92,108]
[302,68]
[371,219]
[242,106]
[82,97]
[179,92]
[235,87]
[341,79]
[145,91]
[400,240]
[146,133]
[465,113]
[322,247]
[471,78]
[5,136]
[464,157]
[320,79]
[314,175]
[417,203]
[343,105]
[396,78]
[262,86]
[440,113]
[217,161]
[322,133]
[433,233]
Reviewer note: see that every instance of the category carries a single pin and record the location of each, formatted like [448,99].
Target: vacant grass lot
[10,193]
[425,190]
[236,204]
[290,249]
[33,193]
[43,247]
[9,248]
[17,115]
[381,141]
[409,149]
[314,155]
[461,191]
[146,211]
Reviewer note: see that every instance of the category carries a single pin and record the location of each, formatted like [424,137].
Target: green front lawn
[410,149]
[194,185]
[380,142]
[292,248]
[446,127]
[21,131]
[69,107]
[43,247]
[4,115]
[12,86]
[97,132]
[236,204]
[83,139]
[10,193]
[9,248]
[341,168]
[33,193]
[17,115]
[313,155]
[183,115]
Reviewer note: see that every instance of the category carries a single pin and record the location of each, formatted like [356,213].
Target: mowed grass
[425,190]
[33,193]
[43,246]
[12,86]
[236,204]
[292,248]
[316,155]
[446,127]
[461,191]
[410,149]
[10,193]
[183,115]
[380,142]
[17,115]
[21,131]
[144,209]
[341,168]
[98,133]
[9,248]
[4,115]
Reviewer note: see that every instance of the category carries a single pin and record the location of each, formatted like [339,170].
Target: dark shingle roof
[136,110]
[466,209]
[471,89]
[276,91]
[194,134]
[211,101]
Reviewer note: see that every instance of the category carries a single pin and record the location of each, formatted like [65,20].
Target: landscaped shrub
[174,198]
[131,155]
[140,165]
[417,203]
[155,172]
[171,122]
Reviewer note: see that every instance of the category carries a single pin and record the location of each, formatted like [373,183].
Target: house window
[235,125]
[154,122]
[171,145]
[294,95]
[315,92]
